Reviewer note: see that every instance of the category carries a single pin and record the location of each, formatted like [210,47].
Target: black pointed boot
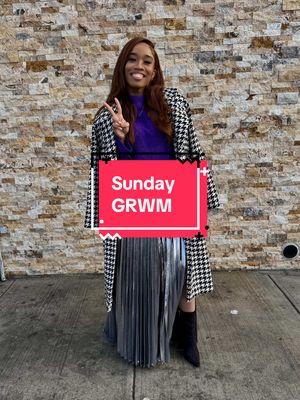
[188,321]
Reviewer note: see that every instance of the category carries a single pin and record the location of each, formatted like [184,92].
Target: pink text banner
[152,198]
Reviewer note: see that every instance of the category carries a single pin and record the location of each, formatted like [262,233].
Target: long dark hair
[157,108]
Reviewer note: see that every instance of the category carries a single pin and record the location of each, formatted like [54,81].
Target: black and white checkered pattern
[186,147]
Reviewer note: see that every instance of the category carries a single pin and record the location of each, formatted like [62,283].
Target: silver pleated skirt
[150,275]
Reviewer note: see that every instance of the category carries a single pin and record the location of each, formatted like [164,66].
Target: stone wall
[237,62]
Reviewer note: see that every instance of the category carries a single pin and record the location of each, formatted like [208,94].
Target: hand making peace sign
[121,127]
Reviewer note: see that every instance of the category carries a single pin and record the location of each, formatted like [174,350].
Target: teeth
[137,75]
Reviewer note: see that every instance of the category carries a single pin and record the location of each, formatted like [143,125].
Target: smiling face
[139,69]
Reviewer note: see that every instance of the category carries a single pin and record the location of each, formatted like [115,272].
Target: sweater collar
[138,101]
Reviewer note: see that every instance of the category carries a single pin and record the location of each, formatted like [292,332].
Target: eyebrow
[136,54]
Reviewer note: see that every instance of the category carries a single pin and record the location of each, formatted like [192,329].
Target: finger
[117,121]
[119,107]
[109,108]
[118,127]
[125,127]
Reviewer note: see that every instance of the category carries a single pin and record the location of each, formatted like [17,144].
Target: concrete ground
[52,345]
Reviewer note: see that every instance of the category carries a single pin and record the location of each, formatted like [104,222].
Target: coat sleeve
[92,207]
[197,153]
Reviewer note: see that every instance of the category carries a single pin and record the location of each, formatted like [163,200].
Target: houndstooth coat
[186,147]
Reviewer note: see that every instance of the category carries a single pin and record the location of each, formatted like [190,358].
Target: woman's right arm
[91,211]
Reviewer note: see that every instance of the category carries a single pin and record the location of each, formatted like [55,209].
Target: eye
[133,59]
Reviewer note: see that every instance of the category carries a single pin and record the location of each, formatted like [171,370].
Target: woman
[150,283]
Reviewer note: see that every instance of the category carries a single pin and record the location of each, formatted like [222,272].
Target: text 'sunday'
[142,204]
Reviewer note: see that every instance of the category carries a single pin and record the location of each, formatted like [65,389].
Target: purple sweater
[148,138]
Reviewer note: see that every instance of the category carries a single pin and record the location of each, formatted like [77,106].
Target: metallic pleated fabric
[150,274]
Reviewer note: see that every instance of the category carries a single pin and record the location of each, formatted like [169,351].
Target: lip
[137,79]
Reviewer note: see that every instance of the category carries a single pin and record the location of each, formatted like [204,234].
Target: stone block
[290,5]
[290,52]
[289,74]
[287,98]
[262,42]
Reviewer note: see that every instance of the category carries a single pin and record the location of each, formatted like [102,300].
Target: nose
[138,63]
